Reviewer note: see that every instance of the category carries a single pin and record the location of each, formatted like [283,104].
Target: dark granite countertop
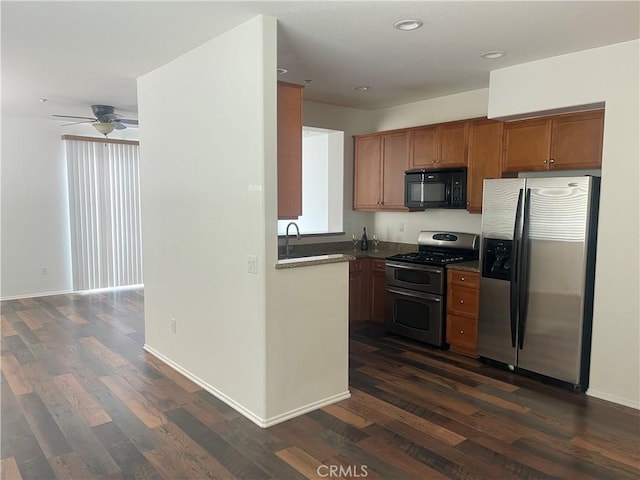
[473,266]
[384,250]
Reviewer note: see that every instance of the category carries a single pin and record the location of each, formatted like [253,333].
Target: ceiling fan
[105,119]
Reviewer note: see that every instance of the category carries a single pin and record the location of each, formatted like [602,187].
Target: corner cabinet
[560,142]
[463,295]
[289,151]
[380,161]
[485,159]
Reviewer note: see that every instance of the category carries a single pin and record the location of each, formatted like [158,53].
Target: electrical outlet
[252,264]
[173,325]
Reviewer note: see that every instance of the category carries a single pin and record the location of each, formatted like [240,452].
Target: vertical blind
[104,211]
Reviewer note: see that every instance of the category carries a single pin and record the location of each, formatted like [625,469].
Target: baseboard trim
[283,417]
[613,398]
[36,295]
[261,422]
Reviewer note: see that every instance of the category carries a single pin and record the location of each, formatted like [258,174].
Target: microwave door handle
[447,193]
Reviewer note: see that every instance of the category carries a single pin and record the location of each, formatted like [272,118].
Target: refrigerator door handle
[523,282]
[515,269]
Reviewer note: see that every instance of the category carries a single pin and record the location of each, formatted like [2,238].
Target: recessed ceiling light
[493,54]
[408,24]
[361,88]
[282,71]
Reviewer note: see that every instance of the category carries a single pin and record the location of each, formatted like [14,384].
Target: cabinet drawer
[463,301]
[463,278]
[462,334]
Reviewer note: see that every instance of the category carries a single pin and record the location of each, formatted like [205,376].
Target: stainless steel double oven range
[416,285]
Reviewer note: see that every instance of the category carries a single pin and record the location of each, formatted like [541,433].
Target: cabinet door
[577,140]
[367,175]
[377,291]
[289,151]
[485,159]
[527,145]
[395,161]
[423,147]
[452,144]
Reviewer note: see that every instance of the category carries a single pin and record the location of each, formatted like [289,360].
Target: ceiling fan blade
[128,121]
[76,117]
[118,125]
[76,123]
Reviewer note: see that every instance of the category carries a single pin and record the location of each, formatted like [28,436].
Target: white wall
[203,209]
[35,217]
[611,75]
[404,227]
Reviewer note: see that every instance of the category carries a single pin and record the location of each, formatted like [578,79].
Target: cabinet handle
[552,161]
[462,279]
[461,332]
[461,302]
[544,161]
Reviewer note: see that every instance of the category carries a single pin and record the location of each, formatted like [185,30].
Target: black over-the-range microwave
[438,188]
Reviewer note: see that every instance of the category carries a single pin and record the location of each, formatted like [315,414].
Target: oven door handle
[423,296]
[421,268]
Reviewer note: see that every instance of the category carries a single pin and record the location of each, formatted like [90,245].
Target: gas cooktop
[441,248]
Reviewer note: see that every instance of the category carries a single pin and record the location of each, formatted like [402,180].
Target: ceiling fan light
[104,128]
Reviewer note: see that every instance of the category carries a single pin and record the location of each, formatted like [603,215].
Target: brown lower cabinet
[366,290]
[463,296]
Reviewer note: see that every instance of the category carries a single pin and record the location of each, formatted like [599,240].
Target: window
[104,212]
[322,182]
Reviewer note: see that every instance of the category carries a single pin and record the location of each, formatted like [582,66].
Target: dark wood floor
[81,399]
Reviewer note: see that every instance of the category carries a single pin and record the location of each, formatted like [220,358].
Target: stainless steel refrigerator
[537,263]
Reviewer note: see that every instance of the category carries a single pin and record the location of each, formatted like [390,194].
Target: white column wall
[610,75]
[209,131]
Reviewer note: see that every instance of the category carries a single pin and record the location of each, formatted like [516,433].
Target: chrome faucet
[286,238]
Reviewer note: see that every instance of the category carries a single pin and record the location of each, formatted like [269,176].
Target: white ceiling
[80,53]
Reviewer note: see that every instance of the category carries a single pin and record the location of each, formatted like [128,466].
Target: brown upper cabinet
[289,151]
[380,161]
[439,146]
[485,159]
[559,142]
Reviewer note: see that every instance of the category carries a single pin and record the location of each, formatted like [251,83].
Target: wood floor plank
[226,454]
[9,469]
[46,430]
[150,415]
[301,461]
[429,428]
[102,352]
[30,320]
[85,404]
[116,323]
[133,464]
[73,316]
[14,373]
[70,466]
[6,328]
[347,416]
[169,372]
